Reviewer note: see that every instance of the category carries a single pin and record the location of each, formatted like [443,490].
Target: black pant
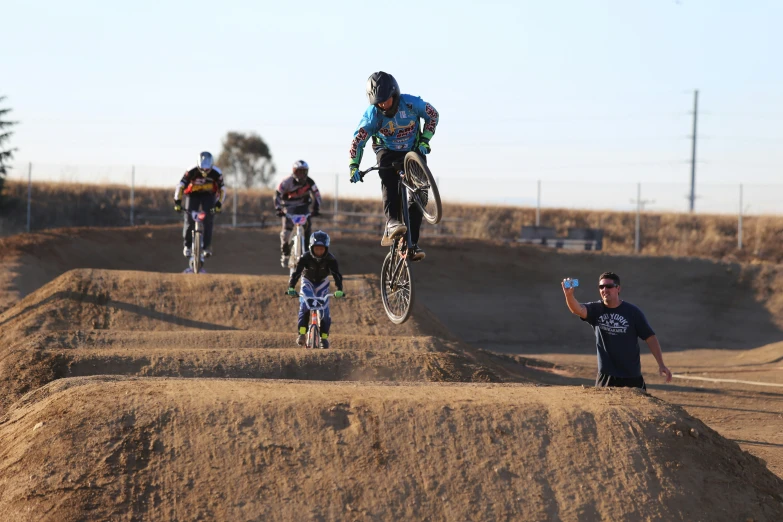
[604,380]
[204,201]
[288,228]
[391,190]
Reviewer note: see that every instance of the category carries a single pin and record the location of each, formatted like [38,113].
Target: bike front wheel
[396,288]
[313,337]
[195,259]
[426,196]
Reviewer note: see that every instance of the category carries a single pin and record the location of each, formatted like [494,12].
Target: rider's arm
[336,275]
[316,196]
[430,116]
[300,266]
[369,125]
[279,195]
[181,186]
[221,188]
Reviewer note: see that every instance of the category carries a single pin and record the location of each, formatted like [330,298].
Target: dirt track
[502,451]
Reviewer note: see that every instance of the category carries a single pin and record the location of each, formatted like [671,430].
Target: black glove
[315,213]
[178,205]
[280,212]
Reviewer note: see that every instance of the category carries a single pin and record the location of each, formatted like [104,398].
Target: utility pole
[693,148]
[739,221]
[133,188]
[538,205]
[640,203]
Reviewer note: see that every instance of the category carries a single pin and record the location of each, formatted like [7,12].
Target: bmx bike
[298,240]
[417,187]
[316,306]
[196,261]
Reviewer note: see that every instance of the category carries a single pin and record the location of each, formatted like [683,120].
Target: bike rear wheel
[396,291]
[426,196]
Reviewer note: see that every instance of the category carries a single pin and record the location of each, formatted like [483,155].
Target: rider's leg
[415,216]
[304,313]
[326,322]
[209,221]
[391,195]
[285,237]
[187,228]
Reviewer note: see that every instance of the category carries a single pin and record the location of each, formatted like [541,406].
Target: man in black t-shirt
[617,324]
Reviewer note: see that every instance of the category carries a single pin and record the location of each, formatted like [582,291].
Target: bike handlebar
[300,294]
[395,165]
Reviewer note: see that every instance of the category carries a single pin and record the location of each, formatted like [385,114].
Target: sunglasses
[601,287]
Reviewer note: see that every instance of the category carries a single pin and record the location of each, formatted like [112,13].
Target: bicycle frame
[401,250]
[397,245]
[316,305]
[299,246]
[196,262]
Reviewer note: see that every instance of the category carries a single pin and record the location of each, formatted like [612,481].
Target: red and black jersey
[292,193]
[194,182]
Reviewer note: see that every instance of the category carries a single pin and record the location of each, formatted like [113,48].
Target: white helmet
[300,169]
[205,162]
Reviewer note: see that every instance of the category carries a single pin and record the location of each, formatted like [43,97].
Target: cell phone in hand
[571,283]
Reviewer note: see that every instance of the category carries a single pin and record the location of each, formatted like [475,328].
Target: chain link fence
[40,196]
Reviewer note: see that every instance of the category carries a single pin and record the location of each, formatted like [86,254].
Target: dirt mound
[162,438]
[181,449]
[151,301]
[95,322]
[496,296]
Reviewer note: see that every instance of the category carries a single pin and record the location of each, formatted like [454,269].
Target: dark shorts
[603,380]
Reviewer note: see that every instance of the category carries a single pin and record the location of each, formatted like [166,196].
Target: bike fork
[315,321]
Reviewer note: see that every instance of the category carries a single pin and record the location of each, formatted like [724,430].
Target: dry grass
[715,236]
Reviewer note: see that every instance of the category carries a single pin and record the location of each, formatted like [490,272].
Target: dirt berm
[110,448]
[94,322]
[129,395]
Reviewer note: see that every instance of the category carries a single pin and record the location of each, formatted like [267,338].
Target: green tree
[247,156]
[5,154]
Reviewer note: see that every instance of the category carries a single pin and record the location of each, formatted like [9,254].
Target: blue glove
[338,294]
[356,176]
[291,291]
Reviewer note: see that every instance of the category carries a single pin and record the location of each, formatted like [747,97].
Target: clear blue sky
[579,90]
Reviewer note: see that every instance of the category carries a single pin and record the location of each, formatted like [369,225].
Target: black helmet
[380,87]
[319,238]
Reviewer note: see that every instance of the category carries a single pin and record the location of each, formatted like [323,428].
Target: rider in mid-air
[203,186]
[293,196]
[392,121]
[315,266]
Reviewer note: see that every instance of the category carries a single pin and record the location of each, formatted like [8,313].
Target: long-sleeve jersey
[317,270]
[291,193]
[397,133]
[194,182]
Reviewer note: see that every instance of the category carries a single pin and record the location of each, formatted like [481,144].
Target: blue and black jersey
[398,133]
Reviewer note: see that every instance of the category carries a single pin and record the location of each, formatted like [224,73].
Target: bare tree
[5,154]
[247,156]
